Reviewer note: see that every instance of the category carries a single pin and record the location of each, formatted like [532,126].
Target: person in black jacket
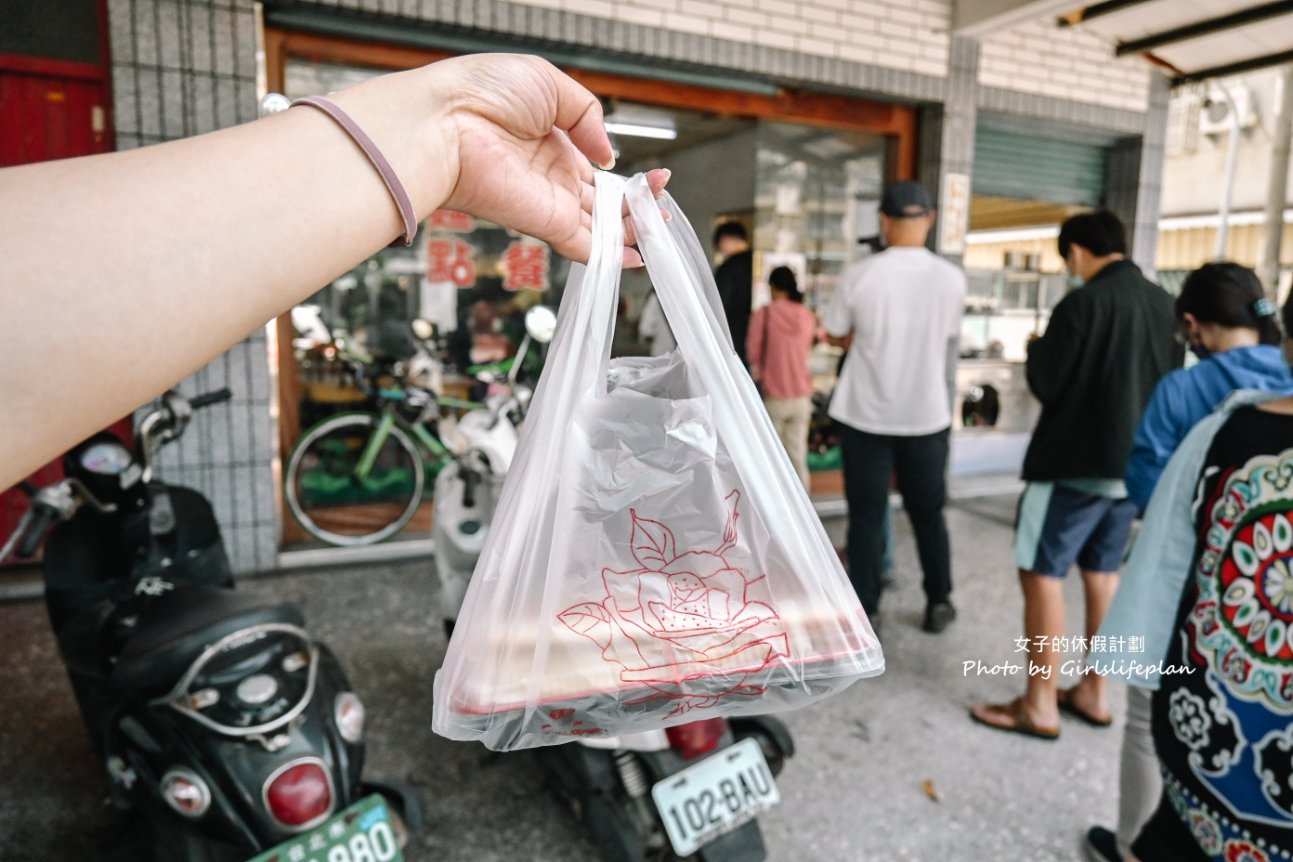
[1106,346]
[735,279]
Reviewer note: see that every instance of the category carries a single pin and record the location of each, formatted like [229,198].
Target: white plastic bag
[654,559]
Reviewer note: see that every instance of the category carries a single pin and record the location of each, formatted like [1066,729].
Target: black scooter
[691,792]
[220,720]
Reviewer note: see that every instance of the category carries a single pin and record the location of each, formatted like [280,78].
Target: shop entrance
[802,171]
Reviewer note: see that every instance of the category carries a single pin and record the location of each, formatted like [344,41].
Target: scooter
[689,792]
[467,489]
[692,791]
[221,721]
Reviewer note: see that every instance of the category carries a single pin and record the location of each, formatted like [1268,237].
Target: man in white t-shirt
[899,315]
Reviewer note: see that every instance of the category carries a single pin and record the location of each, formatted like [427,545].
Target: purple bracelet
[393,184]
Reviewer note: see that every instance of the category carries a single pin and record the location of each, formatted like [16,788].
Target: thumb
[579,114]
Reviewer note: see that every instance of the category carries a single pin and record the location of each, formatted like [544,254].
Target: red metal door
[51,118]
[50,109]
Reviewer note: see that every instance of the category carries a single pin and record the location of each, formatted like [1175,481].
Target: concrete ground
[855,791]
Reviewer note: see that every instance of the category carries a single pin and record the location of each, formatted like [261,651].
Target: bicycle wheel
[332,503]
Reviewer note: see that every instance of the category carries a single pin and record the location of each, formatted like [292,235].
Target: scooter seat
[174,629]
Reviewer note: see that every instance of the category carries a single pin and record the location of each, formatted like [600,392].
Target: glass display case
[817,199]
[1004,309]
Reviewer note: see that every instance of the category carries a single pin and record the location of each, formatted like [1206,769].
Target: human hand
[517,134]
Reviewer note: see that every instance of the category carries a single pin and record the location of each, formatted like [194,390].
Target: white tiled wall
[1064,63]
[911,35]
[183,67]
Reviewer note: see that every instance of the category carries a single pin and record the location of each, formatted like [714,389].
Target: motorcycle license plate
[361,833]
[714,796]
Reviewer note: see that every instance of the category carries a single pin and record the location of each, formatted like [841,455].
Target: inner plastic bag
[654,559]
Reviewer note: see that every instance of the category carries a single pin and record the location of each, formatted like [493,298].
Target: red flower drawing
[682,617]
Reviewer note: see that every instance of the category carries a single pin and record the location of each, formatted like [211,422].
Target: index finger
[579,114]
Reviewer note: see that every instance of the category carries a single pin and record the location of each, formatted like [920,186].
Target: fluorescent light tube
[637,131]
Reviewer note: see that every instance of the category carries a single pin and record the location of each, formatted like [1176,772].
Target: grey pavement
[855,791]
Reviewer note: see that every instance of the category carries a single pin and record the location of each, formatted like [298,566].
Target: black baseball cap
[906,199]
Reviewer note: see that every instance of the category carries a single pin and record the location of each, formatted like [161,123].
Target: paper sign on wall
[954,214]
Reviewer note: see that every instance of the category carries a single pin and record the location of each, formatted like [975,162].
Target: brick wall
[888,49]
[911,35]
[1046,60]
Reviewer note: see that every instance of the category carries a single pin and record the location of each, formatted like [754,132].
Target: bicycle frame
[388,419]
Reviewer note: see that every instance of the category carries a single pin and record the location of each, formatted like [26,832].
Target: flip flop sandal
[1020,722]
[1064,697]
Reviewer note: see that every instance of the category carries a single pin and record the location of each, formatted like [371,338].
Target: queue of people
[1202,453]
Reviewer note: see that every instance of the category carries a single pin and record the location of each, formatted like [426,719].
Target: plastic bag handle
[697,262]
[608,234]
[608,239]
[585,322]
[704,340]
[670,252]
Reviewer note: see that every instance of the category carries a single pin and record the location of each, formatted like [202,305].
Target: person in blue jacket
[1228,322]
[1230,325]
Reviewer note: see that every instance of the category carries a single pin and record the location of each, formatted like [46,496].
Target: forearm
[123,273]
[1153,443]
[187,248]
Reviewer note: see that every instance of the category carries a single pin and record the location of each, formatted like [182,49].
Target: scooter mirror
[423,329]
[541,323]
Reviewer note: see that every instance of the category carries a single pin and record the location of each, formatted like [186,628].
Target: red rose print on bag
[682,617]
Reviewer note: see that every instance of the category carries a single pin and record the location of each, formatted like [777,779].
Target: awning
[1193,39]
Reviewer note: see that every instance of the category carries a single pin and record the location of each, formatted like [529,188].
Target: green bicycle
[357,478]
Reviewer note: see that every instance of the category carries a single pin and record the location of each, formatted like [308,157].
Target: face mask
[1075,281]
[1200,351]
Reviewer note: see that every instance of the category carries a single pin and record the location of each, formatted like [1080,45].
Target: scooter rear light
[299,795]
[186,792]
[349,715]
[697,738]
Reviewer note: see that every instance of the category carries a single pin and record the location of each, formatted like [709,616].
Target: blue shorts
[1058,525]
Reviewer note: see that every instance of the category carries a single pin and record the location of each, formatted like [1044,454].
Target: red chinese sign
[526,267]
[451,260]
[451,221]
